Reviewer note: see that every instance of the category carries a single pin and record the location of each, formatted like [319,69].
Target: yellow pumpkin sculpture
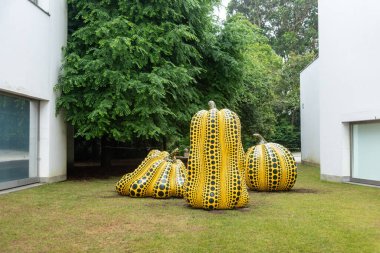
[160,175]
[214,179]
[269,167]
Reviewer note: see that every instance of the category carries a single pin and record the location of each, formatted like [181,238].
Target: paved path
[297,156]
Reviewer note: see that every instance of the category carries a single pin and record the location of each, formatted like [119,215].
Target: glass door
[365,150]
[18,141]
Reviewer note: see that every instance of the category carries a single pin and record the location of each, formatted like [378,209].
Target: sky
[221,12]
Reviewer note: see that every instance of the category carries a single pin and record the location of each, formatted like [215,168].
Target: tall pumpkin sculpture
[269,167]
[214,179]
[160,175]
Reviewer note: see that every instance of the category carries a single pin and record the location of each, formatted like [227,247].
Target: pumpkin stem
[262,140]
[173,154]
[212,105]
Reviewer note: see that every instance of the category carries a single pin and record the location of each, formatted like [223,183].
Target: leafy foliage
[290,25]
[139,70]
[260,71]
[241,71]
[130,67]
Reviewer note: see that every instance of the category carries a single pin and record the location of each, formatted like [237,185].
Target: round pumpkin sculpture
[160,175]
[216,160]
[269,167]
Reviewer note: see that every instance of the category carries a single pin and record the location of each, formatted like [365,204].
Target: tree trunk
[105,160]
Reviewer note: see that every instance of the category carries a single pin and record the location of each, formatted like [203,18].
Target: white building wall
[309,98]
[349,67]
[31,42]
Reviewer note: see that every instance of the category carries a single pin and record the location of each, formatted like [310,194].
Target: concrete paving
[297,157]
[19,188]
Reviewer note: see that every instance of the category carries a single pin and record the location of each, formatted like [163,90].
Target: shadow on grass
[303,190]
[292,191]
[245,209]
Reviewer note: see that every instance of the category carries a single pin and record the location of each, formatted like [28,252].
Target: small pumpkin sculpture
[269,167]
[160,175]
[214,179]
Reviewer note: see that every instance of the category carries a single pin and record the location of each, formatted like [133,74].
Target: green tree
[223,61]
[262,73]
[290,25]
[142,69]
[242,70]
[131,66]
[292,29]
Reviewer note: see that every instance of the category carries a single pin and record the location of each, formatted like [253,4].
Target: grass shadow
[304,190]
[292,191]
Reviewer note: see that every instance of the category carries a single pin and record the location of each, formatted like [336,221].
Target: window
[18,141]
[365,151]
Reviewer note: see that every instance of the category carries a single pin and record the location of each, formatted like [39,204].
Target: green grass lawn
[88,215]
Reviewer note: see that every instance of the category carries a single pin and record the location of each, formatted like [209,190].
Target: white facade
[31,40]
[309,96]
[349,82]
